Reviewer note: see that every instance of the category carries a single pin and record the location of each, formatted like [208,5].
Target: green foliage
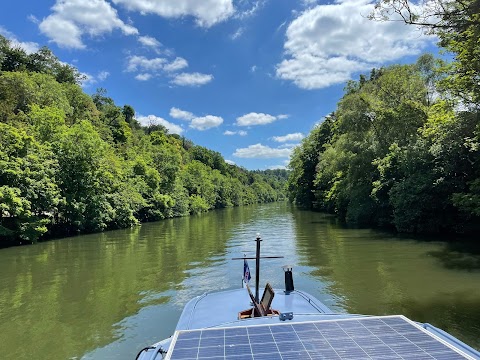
[456,24]
[19,90]
[28,191]
[304,161]
[43,61]
[398,155]
[198,204]
[73,163]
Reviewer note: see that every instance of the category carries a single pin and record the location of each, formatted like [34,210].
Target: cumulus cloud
[150,42]
[241,133]
[230,162]
[196,122]
[192,79]
[143,77]
[289,137]
[177,64]
[158,66]
[176,113]
[259,151]
[141,63]
[206,122]
[156,120]
[277,167]
[287,146]
[206,12]
[327,44]
[71,19]
[257,119]
[29,47]
[89,79]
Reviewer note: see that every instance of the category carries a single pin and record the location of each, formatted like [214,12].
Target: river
[105,296]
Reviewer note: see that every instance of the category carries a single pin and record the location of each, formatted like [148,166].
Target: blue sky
[247,78]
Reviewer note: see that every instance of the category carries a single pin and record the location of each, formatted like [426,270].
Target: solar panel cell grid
[380,338]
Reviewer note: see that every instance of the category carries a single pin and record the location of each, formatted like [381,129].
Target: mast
[257,267]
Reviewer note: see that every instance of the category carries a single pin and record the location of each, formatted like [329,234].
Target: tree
[28,192]
[86,177]
[18,90]
[457,24]
[304,161]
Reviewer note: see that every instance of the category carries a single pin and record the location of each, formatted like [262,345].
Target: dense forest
[402,148]
[73,163]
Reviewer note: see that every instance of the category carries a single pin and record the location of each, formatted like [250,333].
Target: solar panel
[373,338]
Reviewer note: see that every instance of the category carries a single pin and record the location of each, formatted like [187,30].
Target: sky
[246,78]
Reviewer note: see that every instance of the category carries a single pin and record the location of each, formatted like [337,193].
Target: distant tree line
[72,163]
[402,149]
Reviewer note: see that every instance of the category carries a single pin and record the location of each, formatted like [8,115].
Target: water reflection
[105,296]
[376,273]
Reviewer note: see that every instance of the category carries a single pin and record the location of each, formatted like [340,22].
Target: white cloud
[177,64]
[157,66]
[206,122]
[141,63]
[143,77]
[253,68]
[156,120]
[327,44]
[257,119]
[90,79]
[149,41]
[33,19]
[245,12]
[283,116]
[287,146]
[259,151]
[196,122]
[176,113]
[29,47]
[103,75]
[308,3]
[237,33]
[289,137]
[230,162]
[206,12]
[230,133]
[192,79]
[71,19]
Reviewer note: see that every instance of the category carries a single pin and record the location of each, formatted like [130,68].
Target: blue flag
[246,272]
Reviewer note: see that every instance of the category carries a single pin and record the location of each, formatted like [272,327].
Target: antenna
[257,270]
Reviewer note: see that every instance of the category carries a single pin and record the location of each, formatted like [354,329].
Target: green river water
[105,296]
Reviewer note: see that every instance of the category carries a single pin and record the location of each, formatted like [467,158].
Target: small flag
[246,272]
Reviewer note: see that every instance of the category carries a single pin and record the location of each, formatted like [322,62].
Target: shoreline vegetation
[402,148]
[71,163]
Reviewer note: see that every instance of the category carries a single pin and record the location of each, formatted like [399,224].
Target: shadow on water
[456,256]
[375,272]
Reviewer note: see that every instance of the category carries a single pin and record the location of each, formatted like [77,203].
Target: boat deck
[210,313]
[222,308]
